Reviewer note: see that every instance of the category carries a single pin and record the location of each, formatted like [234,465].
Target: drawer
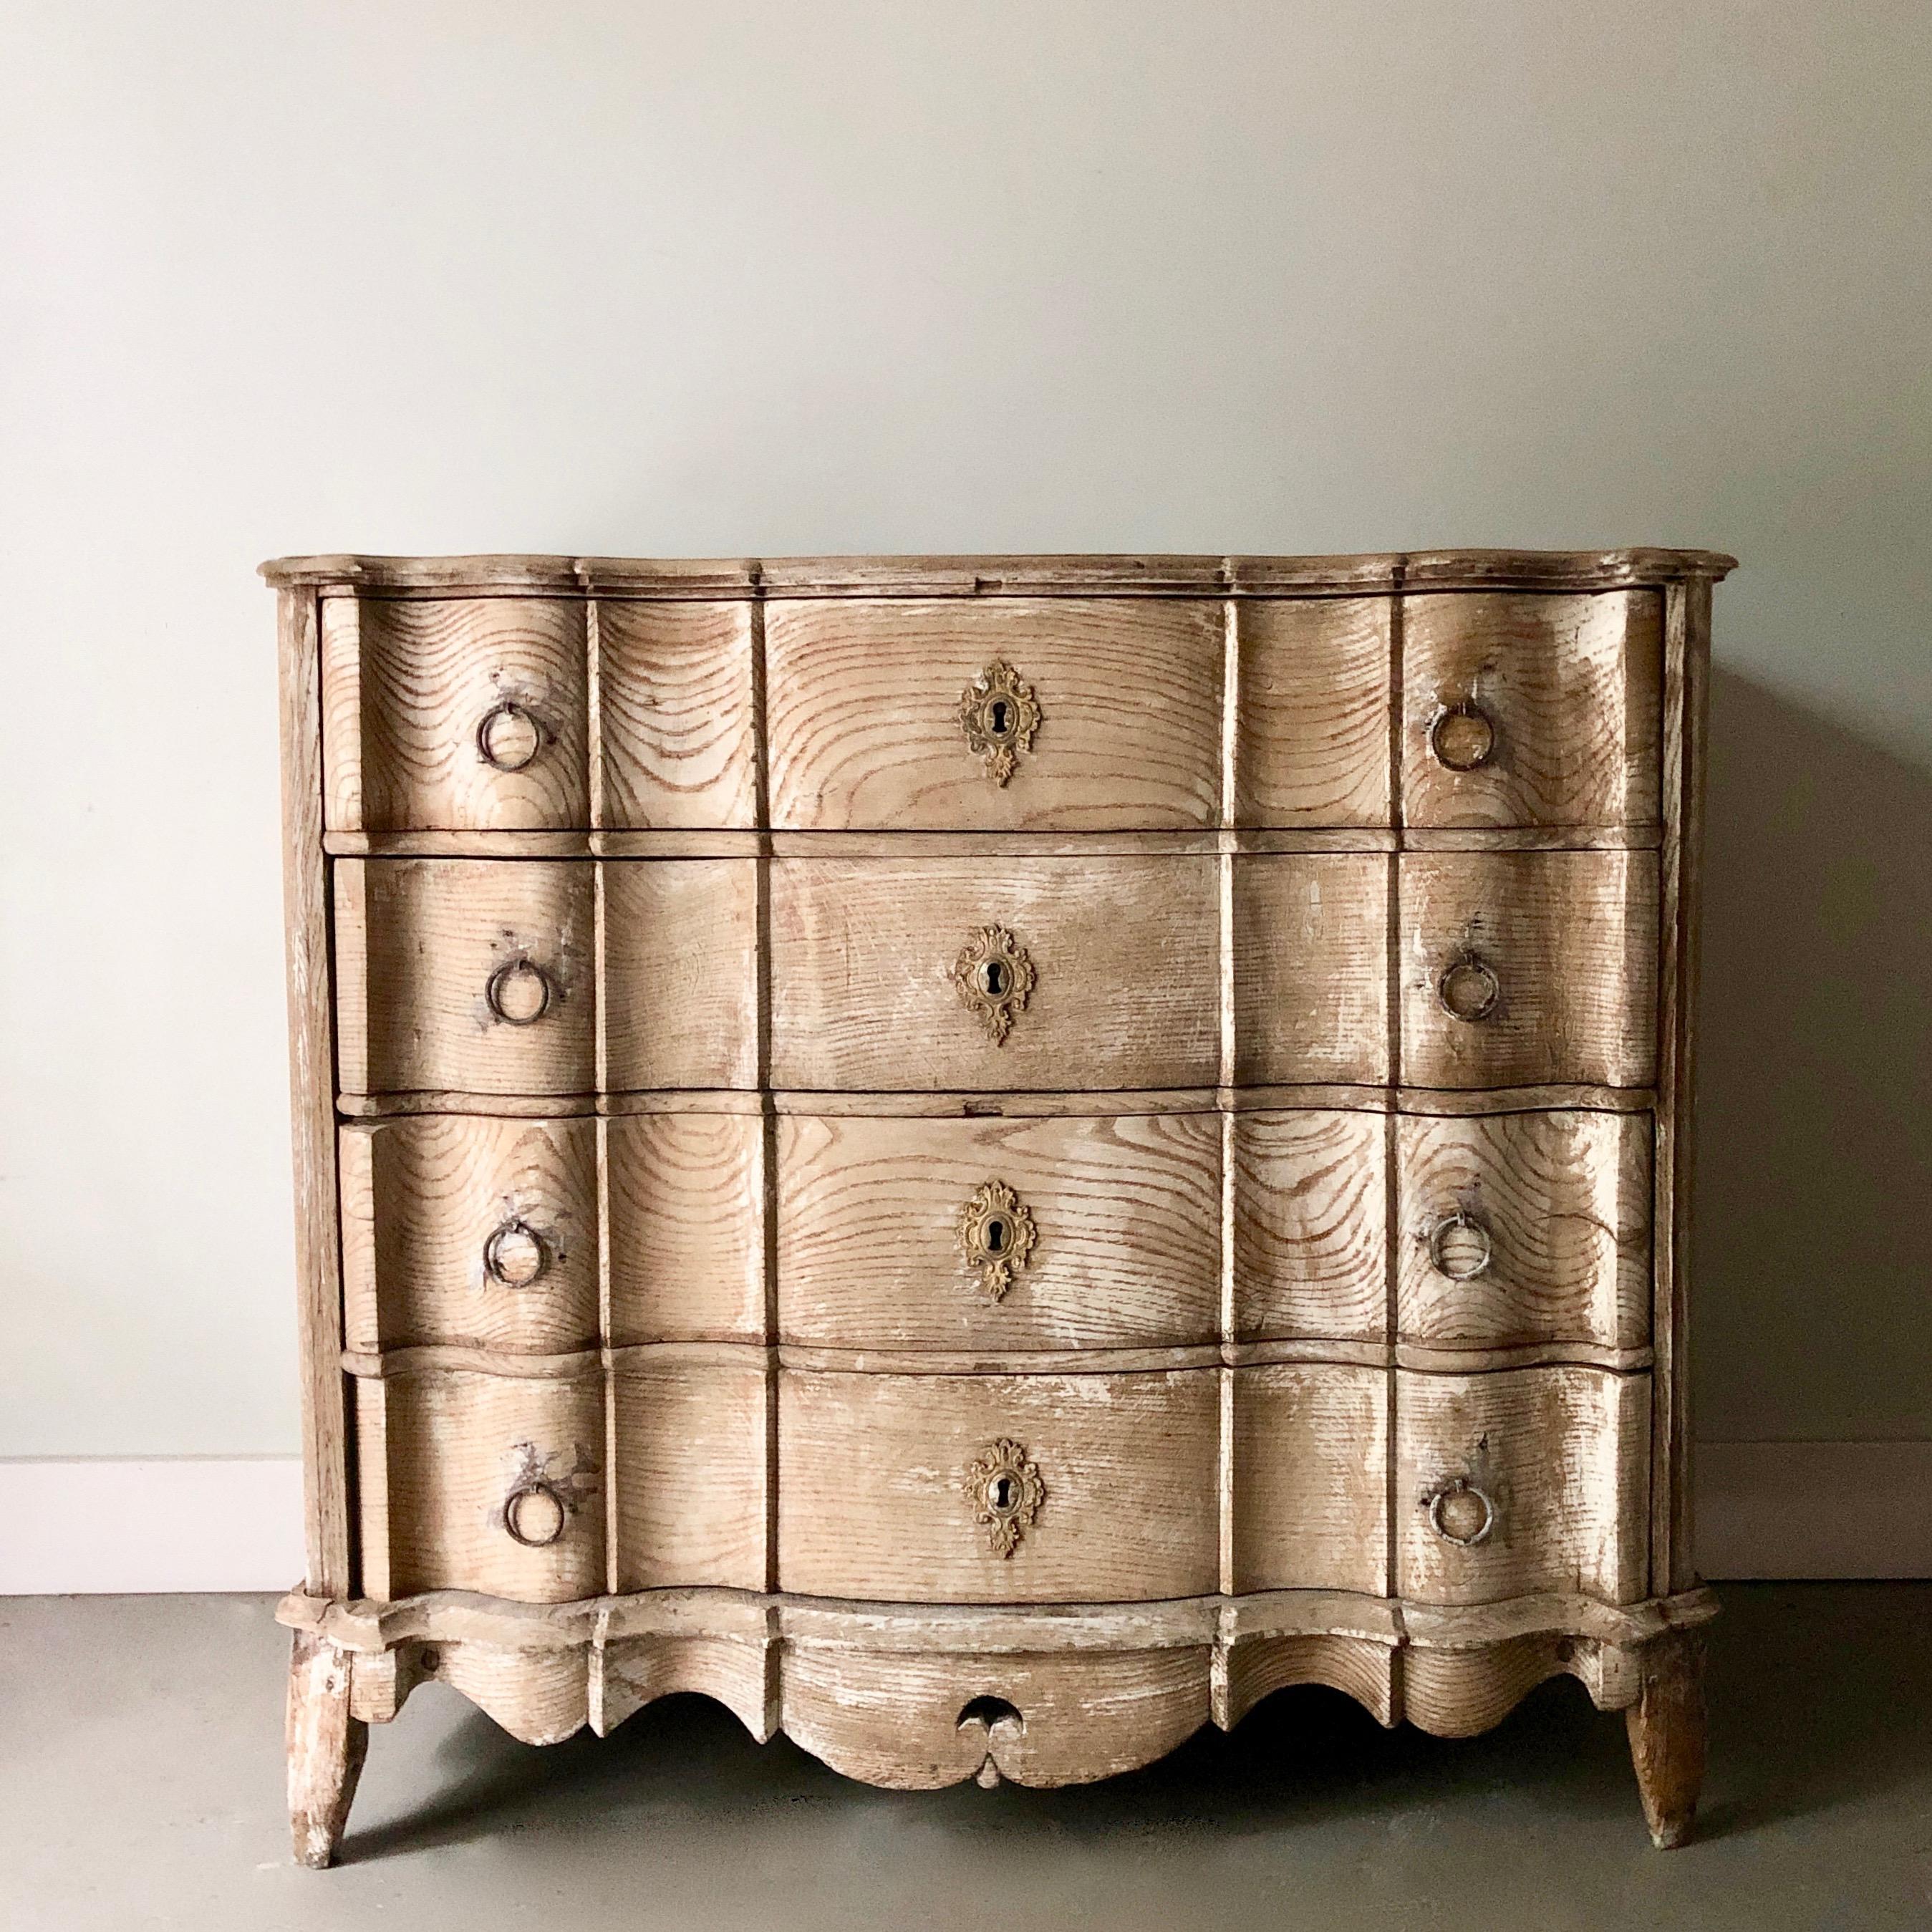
[1527,709]
[465,1232]
[473,714]
[458,714]
[1518,1228]
[470,1481]
[998,1489]
[1523,1481]
[1065,714]
[479,976]
[469,1232]
[1524,968]
[990,974]
[1006,1237]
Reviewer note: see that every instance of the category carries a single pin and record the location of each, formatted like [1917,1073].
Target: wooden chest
[989,1159]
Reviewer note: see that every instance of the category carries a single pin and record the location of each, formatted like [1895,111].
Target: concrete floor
[140,1773]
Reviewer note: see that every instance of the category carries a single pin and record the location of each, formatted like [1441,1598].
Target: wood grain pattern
[680,987]
[438,1454]
[1127,1210]
[1129,972]
[872,1498]
[406,686]
[749,1372]
[1562,1201]
[1563,1455]
[417,943]
[686,1227]
[1311,1479]
[1571,938]
[326,1746]
[988,576]
[865,714]
[690,1489]
[421,1201]
[326,1502]
[919,1722]
[1309,1250]
[674,710]
[1311,732]
[1667,1728]
[1571,685]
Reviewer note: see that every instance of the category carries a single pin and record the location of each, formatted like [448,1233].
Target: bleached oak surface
[1272,1273]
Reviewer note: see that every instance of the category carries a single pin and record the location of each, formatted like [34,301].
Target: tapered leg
[326,1746]
[1666,1736]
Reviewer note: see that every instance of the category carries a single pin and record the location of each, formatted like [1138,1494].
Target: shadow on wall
[1813,1253]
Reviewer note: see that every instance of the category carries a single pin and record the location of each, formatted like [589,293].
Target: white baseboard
[191,1522]
[1764,1510]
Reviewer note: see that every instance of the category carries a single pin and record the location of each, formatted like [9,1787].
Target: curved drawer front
[1521,968]
[1522,708]
[1519,1228]
[995,974]
[464,1231]
[473,714]
[1071,714]
[1005,713]
[1004,1237]
[480,975]
[999,1235]
[473,1481]
[998,1489]
[1521,1481]
[460,714]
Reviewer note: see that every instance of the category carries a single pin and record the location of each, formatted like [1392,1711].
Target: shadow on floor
[1820,1693]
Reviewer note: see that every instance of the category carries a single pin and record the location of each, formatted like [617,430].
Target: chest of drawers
[989,1159]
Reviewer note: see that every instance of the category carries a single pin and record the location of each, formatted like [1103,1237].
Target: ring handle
[1461,736]
[1462,1513]
[516,1254]
[519,992]
[1464,1259]
[533,1490]
[508,737]
[1468,988]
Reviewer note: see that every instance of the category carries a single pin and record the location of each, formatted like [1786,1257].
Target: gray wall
[769,278]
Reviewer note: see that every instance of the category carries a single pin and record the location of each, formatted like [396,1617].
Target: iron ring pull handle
[1465,1260]
[505,749]
[1468,988]
[516,1254]
[502,989]
[1454,1494]
[525,1492]
[1461,736]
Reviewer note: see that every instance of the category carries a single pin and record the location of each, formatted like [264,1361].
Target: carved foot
[326,1746]
[1666,1736]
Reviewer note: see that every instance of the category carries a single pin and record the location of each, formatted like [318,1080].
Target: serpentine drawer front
[989,1159]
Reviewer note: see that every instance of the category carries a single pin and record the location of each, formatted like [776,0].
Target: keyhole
[1004,1493]
[998,715]
[996,1236]
[993,977]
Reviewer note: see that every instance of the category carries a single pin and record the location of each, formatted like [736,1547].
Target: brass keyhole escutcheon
[999,714]
[1004,1486]
[994,976]
[994,1233]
